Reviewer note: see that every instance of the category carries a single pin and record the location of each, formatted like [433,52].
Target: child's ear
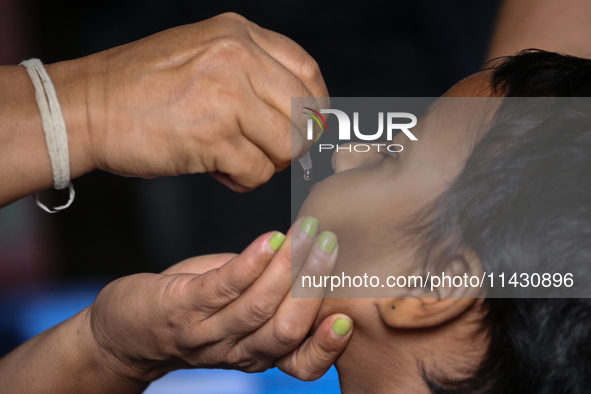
[426,308]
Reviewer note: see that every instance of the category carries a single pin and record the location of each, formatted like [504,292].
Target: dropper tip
[306,163]
[308,175]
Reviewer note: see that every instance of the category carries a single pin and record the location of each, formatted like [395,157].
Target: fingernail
[276,241]
[318,136]
[327,242]
[342,326]
[310,226]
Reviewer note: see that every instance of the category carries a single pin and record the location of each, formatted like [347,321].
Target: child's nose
[348,156]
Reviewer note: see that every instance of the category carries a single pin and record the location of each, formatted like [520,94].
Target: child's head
[508,191]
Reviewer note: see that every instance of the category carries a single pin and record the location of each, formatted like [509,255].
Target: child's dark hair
[523,203]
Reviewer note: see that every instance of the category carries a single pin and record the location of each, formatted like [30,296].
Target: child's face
[372,195]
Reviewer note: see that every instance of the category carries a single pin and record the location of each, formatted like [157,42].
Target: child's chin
[314,186]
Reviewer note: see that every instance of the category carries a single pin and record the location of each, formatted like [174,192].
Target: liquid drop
[308,175]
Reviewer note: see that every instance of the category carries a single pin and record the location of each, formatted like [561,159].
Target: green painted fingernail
[327,242]
[318,136]
[310,226]
[342,326]
[276,241]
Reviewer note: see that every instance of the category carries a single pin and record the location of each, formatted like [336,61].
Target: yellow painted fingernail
[342,326]
[327,242]
[276,241]
[310,226]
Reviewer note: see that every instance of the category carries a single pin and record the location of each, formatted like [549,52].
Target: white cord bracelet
[54,127]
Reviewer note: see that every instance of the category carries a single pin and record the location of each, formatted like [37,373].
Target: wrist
[121,360]
[70,79]
[21,135]
[105,366]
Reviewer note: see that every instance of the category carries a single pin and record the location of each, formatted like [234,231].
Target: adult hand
[238,316]
[213,96]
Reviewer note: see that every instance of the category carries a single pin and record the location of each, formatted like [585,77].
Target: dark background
[119,226]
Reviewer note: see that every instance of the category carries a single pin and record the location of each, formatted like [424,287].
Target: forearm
[25,166]
[559,26]
[64,359]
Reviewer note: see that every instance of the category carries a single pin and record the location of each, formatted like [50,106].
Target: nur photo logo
[391,120]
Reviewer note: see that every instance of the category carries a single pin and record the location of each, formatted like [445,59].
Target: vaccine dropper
[306,163]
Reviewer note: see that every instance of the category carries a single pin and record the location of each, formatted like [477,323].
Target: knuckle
[257,366]
[226,291]
[252,267]
[231,49]
[242,360]
[288,333]
[223,293]
[324,353]
[309,69]
[252,164]
[238,358]
[316,265]
[258,311]
[233,16]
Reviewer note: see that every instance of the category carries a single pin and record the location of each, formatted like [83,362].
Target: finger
[258,304]
[215,289]
[318,265]
[317,354]
[295,59]
[200,264]
[272,131]
[245,164]
[292,56]
[225,180]
[294,317]
[305,112]
[304,232]
[268,129]
[276,86]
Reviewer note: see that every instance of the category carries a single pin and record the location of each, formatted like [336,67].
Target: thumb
[317,354]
